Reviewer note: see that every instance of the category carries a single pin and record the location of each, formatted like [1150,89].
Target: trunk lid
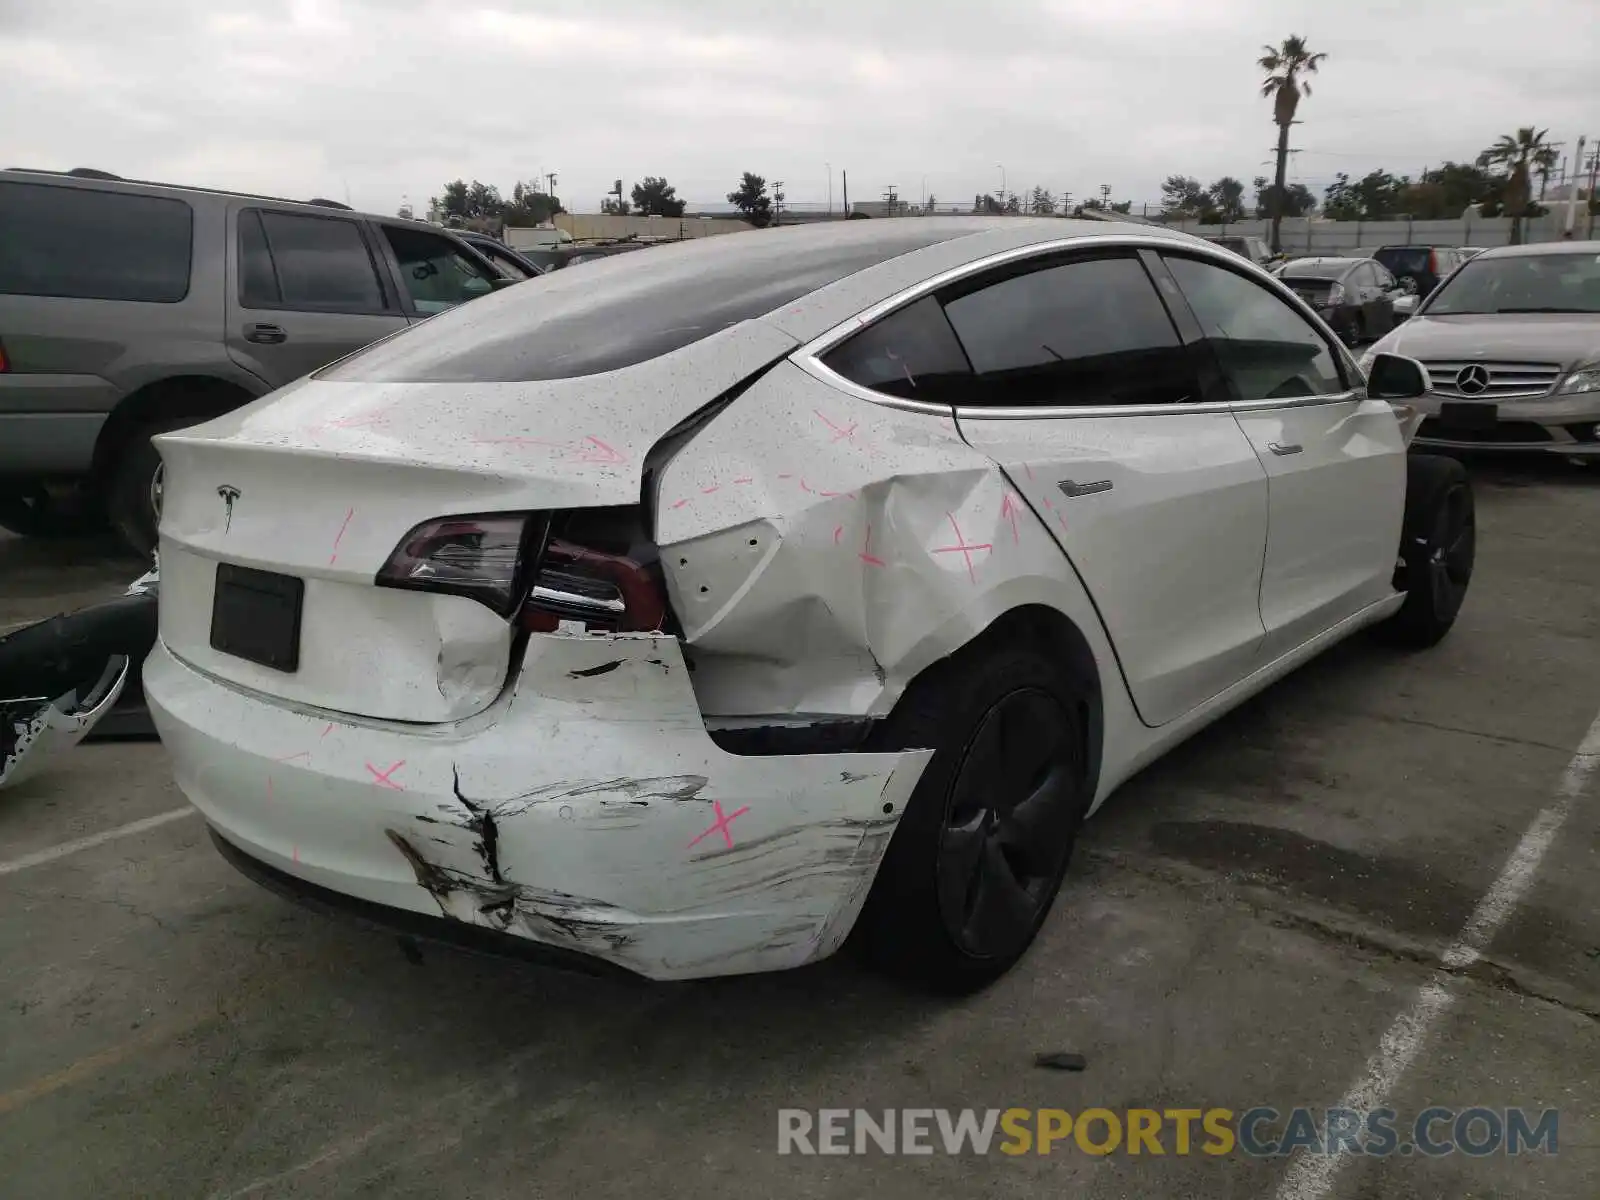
[320,481]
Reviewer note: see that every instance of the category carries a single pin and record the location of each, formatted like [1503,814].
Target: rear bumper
[587,810]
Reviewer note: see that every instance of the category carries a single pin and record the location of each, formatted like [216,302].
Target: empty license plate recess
[1469,416]
[255,615]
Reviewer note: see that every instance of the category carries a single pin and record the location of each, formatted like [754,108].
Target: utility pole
[1105,196]
[829,168]
[550,184]
[1594,170]
[777,201]
[844,180]
[1066,204]
[890,199]
[616,190]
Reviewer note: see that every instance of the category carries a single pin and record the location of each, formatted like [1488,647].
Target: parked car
[130,308]
[696,610]
[511,263]
[1426,266]
[1467,252]
[1511,342]
[1252,248]
[1356,296]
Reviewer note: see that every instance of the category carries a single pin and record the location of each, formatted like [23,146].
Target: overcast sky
[383,99]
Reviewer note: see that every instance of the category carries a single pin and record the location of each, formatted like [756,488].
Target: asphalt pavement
[1374,885]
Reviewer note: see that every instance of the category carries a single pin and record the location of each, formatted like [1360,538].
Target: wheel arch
[174,397]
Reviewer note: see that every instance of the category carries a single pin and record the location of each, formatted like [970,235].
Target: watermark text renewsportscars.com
[1260,1132]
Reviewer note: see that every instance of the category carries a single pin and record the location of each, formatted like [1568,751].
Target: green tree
[1185,197]
[987,204]
[1227,197]
[1042,203]
[653,196]
[751,199]
[1122,206]
[1519,155]
[1013,204]
[1286,66]
[612,206]
[530,206]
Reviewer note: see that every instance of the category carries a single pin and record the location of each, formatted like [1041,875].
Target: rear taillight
[593,566]
[5,364]
[477,557]
[1433,262]
[601,589]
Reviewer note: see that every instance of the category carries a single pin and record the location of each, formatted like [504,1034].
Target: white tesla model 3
[695,610]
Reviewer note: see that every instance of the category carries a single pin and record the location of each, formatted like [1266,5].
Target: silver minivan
[128,309]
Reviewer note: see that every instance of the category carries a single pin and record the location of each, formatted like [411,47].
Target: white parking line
[40,857]
[1310,1176]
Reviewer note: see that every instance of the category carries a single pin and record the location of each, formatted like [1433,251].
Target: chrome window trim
[809,356]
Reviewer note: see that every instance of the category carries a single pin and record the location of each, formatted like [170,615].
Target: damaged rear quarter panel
[821,550]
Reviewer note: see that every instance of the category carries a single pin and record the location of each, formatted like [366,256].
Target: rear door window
[93,245]
[434,270]
[1085,332]
[306,263]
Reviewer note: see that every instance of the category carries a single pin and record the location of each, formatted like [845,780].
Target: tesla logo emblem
[1472,380]
[229,494]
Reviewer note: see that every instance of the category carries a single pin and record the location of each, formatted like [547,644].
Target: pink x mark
[965,548]
[721,823]
[381,778]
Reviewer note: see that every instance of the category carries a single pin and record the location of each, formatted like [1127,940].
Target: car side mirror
[1395,377]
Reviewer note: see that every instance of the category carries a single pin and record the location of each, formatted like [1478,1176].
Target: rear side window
[93,245]
[912,353]
[1090,332]
[434,271]
[312,264]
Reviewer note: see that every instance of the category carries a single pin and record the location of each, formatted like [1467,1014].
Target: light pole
[829,168]
[1002,167]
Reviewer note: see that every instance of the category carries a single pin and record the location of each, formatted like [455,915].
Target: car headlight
[1584,379]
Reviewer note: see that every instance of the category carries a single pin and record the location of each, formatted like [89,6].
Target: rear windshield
[1405,260]
[1530,283]
[93,245]
[624,309]
[1314,270]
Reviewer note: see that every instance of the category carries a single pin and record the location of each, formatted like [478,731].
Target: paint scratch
[334,557]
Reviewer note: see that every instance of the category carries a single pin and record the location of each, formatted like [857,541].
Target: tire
[130,505]
[1438,546]
[983,845]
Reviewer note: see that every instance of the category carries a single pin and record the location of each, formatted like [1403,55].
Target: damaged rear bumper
[587,810]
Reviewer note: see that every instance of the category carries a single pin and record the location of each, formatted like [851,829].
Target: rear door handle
[1280,448]
[1072,487]
[265,335]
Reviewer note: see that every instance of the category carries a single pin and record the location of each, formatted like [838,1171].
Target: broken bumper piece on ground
[35,732]
[587,810]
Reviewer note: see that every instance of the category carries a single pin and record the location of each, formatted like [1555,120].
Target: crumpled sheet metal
[821,550]
[629,835]
[58,726]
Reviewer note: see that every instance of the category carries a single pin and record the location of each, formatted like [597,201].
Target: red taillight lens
[604,591]
[477,557]
[5,364]
[1433,262]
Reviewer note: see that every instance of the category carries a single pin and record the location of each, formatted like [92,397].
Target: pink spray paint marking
[681,503]
[785,476]
[327,729]
[866,545]
[1008,510]
[589,449]
[706,491]
[963,547]
[1029,470]
[720,824]
[290,758]
[745,479]
[334,557]
[806,487]
[381,778]
[833,495]
[837,531]
[296,852]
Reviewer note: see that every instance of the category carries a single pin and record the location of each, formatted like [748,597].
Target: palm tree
[1521,154]
[1285,67]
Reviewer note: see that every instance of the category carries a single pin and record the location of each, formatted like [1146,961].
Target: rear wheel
[1438,547]
[133,492]
[983,845]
